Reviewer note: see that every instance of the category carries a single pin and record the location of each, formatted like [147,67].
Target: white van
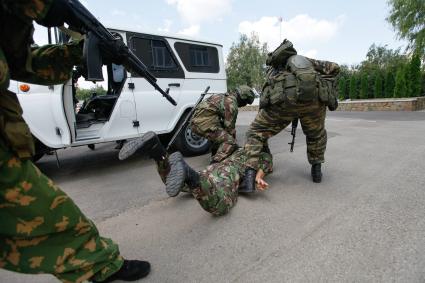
[131,106]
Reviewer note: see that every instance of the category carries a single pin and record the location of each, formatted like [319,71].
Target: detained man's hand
[261,184]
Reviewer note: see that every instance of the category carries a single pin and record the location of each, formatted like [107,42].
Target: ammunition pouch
[13,128]
[286,87]
[328,93]
[273,89]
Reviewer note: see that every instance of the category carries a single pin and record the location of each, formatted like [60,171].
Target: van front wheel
[190,144]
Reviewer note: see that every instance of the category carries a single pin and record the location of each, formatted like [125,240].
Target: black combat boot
[149,143]
[180,173]
[248,183]
[131,270]
[316,172]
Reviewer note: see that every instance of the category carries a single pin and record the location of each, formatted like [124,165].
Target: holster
[14,131]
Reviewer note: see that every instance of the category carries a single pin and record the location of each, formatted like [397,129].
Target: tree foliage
[389,84]
[408,19]
[83,94]
[246,63]
[342,88]
[353,87]
[400,89]
[375,76]
[378,89]
[413,76]
[364,85]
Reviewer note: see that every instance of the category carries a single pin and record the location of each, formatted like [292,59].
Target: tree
[378,85]
[353,87]
[83,94]
[423,84]
[389,84]
[371,84]
[413,76]
[364,86]
[381,57]
[246,63]
[342,88]
[408,19]
[400,89]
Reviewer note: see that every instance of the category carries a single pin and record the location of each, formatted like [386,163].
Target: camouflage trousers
[223,141]
[218,190]
[43,231]
[273,119]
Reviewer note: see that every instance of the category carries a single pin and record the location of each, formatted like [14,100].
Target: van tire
[190,144]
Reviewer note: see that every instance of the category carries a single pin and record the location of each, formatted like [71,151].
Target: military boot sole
[130,147]
[176,177]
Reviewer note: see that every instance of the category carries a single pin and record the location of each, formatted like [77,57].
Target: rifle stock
[96,33]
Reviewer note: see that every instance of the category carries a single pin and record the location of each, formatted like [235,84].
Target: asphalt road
[364,223]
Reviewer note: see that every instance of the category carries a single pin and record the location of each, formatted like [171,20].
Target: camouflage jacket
[225,106]
[19,60]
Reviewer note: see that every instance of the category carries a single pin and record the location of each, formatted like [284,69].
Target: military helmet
[246,93]
[281,54]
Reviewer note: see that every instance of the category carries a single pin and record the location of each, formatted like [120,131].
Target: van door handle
[174,84]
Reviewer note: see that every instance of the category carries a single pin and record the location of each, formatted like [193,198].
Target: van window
[198,58]
[156,55]
[161,56]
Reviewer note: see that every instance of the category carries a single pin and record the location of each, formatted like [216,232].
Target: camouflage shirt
[49,64]
[225,106]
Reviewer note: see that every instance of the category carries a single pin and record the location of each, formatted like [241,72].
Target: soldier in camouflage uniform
[215,119]
[286,96]
[215,188]
[42,230]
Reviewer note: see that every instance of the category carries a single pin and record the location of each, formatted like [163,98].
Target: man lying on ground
[215,188]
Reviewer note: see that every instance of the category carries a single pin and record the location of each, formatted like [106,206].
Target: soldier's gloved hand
[333,106]
[59,13]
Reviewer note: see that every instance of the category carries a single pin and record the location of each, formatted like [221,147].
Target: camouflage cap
[246,93]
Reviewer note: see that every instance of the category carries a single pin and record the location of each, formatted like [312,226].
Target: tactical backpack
[296,80]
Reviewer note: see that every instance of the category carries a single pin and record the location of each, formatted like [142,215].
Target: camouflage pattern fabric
[219,182]
[43,231]
[50,64]
[273,118]
[215,119]
[325,67]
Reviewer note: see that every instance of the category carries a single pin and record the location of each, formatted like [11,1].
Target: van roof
[164,34]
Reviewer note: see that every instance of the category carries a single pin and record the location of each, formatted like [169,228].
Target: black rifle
[98,36]
[187,118]
[293,133]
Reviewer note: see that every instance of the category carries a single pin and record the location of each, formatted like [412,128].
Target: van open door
[106,115]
